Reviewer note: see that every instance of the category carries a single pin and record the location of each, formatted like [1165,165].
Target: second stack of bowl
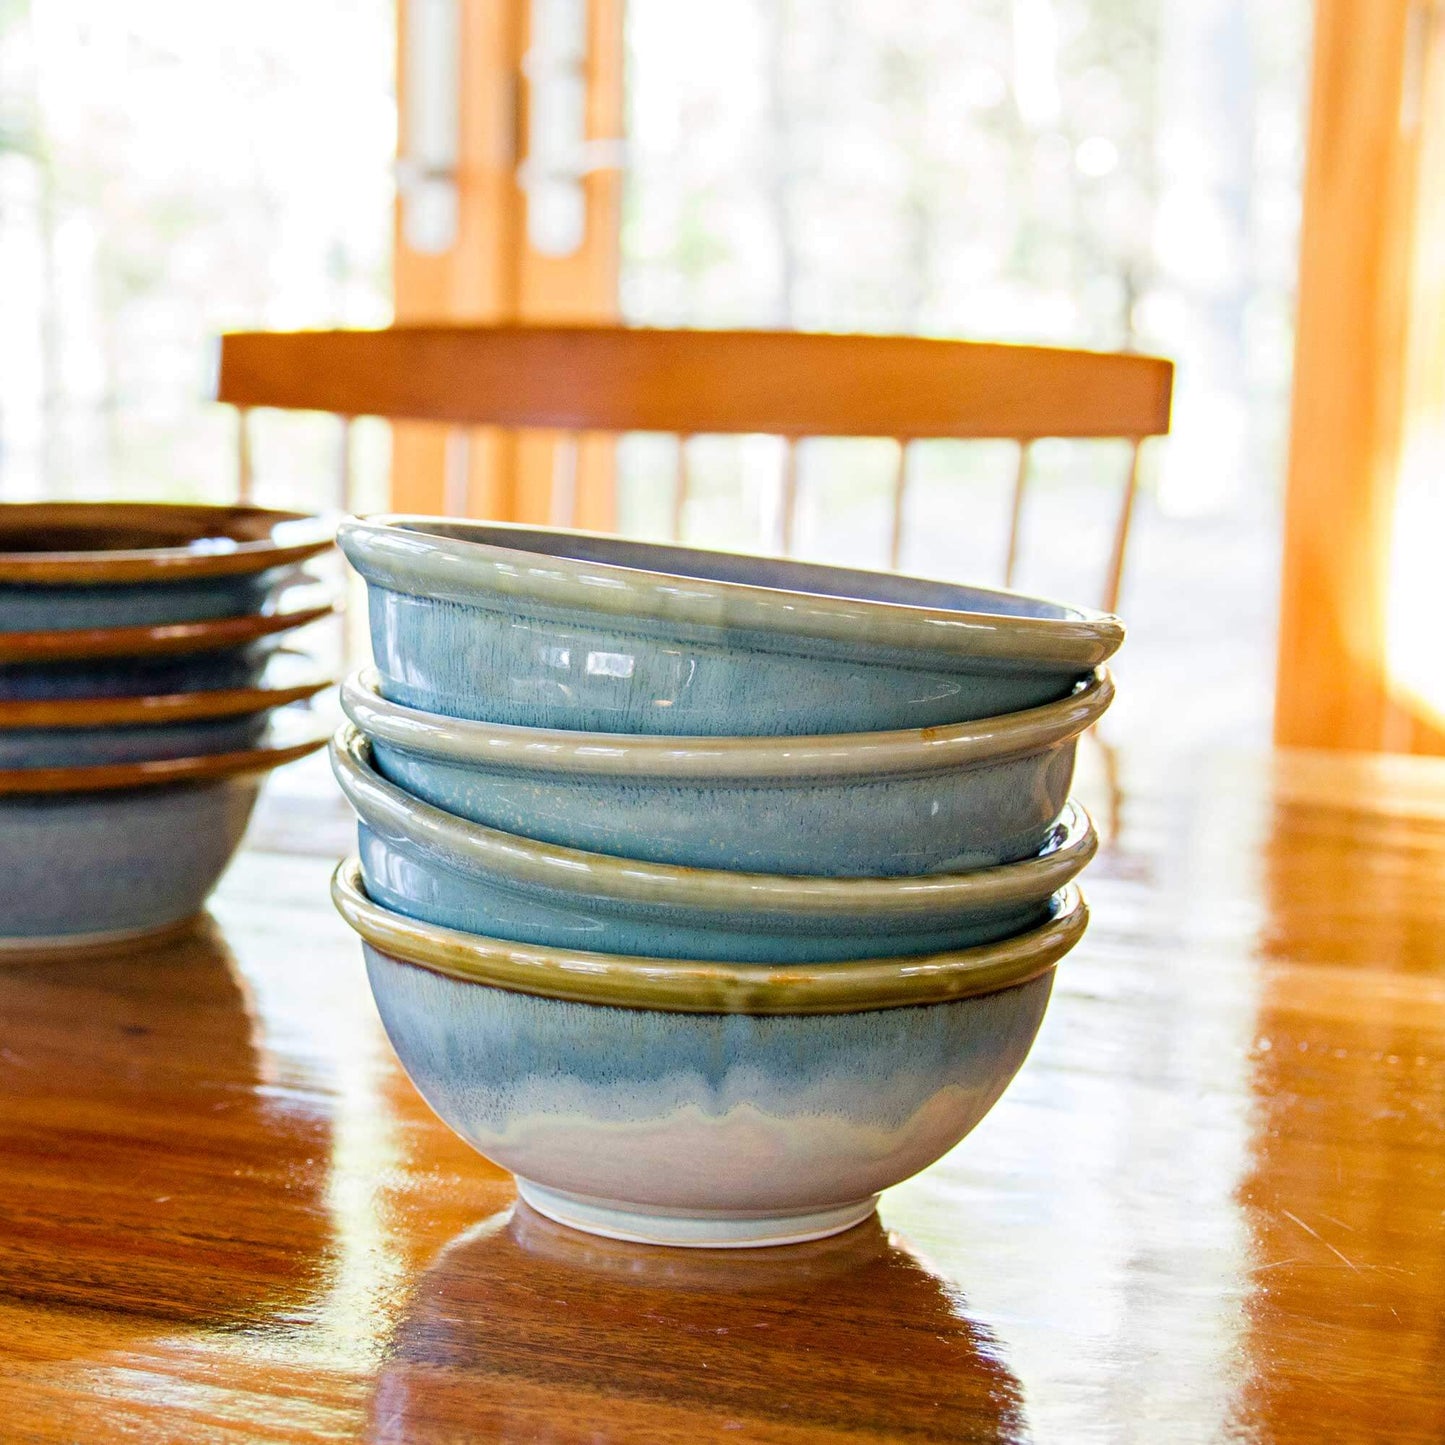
[590,757]
[144,694]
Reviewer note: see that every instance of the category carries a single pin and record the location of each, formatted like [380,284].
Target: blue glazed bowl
[52,732]
[429,865]
[77,565]
[63,747]
[971,795]
[114,853]
[81,678]
[295,601]
[677,1104]
[555,629]
[135,604]
[98,868]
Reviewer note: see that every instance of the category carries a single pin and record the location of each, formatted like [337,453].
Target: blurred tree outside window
[1100,173]
[1110,173]
[168,170]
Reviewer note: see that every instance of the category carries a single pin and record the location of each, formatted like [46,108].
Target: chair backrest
[578,379]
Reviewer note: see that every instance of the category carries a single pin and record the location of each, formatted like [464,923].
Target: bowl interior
[81,538]
[772,573]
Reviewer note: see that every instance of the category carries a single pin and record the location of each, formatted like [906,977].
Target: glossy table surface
[1212,1206]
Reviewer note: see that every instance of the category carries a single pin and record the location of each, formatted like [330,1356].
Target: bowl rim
[283,745]
[524,862]
[978,743]
[695,987]
[272,690]
[404,552]
[262,537]
[157,639]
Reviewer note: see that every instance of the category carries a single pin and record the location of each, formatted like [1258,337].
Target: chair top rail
[622,379]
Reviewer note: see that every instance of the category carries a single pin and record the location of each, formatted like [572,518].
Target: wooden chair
[585,379]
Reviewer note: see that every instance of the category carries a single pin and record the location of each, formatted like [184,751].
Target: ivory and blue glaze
[107,866]
[870,805]
[422,862]
[553,629]
[68,747]
[702,1129]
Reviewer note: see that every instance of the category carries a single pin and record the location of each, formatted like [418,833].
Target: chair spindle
[681,485]
[789,500]
[900,499]
[456,481]
[245,467]
[566,457]
[1121,534]
[1016,514]
[345,465]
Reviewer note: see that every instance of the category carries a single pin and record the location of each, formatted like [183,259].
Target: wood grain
[619,379]
[1212,1206]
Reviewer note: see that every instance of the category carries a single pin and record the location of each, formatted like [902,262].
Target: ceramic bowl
[702,1104]
[446,870]
[86,565]
[76,732]
[552,629]
[931,800]
[78,747]
[284,612]
[161,675]
[110,691]
[99,856]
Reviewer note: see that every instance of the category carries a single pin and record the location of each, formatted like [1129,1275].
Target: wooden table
[1212,1207]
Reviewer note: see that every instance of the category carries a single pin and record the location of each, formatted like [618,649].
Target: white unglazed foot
[616,1220]
[121,939]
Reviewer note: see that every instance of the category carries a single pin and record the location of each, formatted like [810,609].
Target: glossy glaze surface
[554,629]
[860,805]
[1208,1208]
[703,1129]
[692,986]
[53,544]
[425,863]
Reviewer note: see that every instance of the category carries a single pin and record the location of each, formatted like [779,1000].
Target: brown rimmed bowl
[114,853]
[294,607]
[81,566]
[76,732]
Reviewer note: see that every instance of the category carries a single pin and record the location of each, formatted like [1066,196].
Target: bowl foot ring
[615,1220]
[120,940]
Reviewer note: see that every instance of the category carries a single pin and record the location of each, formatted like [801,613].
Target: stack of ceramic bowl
[709,894]
[143,681]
